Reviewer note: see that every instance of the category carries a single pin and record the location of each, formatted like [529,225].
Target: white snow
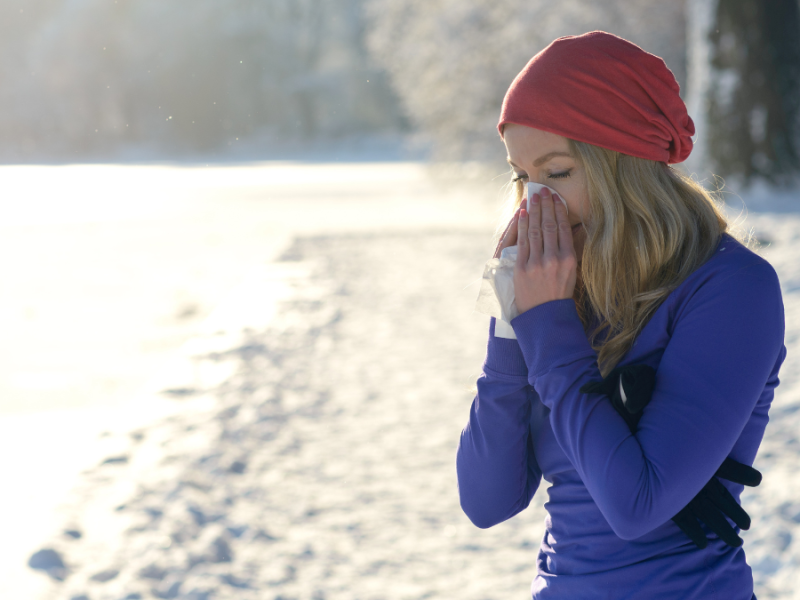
[315,459]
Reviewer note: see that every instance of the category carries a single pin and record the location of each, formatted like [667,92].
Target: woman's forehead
[529,146]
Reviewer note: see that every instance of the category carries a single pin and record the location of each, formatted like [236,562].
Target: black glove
[629,388]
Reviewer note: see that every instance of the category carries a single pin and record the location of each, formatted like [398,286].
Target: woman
[640,271]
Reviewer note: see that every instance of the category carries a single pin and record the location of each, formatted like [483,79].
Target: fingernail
[535,199]
[545,192]
[522,213]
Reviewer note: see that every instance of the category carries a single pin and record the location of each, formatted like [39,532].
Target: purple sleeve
[725,342]
[497,470]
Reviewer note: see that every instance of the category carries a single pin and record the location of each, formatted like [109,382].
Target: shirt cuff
[551,335]
[504,355]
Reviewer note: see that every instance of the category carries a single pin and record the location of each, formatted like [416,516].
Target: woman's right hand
[509,237]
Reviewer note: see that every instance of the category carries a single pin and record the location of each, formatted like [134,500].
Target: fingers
[542,273]
[739,473]
[722,498]
[533,231]
[689,525]
[549,226]
[705,510]
[549,230]
[509,237]
[564,228]
[523,243]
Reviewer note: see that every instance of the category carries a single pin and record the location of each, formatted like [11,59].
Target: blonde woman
[648,342]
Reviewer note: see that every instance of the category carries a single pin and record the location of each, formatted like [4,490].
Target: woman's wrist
[504,355]
[550,333]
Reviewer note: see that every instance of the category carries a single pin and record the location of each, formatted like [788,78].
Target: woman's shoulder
[732,258]
[735,291]
[733,271]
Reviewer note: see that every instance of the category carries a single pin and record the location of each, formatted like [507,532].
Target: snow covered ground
[773,542]
[314,455]
[111,274]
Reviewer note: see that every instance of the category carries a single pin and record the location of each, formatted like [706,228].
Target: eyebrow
[543,159]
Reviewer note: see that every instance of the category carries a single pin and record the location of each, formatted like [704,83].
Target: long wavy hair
[649,228]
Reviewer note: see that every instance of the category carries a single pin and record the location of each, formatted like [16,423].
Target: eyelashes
[563,175]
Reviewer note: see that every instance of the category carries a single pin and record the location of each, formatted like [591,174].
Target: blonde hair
[650,227]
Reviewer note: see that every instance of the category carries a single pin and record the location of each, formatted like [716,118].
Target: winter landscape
[240,247]
[310,454]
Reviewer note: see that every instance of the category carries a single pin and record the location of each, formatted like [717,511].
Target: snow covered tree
[83,78]
[451,61]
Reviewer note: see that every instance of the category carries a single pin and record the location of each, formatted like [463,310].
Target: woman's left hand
[546,266]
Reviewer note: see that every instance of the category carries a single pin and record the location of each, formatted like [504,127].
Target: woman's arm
[497,470]
[726,343]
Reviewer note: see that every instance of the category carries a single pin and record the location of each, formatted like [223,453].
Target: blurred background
[184,184]
[101,81]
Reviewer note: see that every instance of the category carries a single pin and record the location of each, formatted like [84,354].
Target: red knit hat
[603,90]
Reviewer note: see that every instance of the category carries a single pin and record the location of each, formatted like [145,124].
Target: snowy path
[773,541]
[325,468]
[343,417]
[107,271]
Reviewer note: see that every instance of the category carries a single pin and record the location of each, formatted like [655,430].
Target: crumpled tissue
[496,295]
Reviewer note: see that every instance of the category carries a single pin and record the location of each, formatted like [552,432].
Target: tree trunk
[754,96]
[699,23]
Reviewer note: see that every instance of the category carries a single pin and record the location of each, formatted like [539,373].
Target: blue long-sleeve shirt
[717,343]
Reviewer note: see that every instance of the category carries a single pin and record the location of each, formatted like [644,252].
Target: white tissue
[532,188]
[496,295]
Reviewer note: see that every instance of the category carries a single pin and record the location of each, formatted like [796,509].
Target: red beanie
[600,89]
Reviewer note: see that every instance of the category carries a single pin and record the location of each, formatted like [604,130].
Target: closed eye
[563,175]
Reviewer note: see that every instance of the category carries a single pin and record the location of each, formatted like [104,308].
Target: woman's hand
[509,237]
[546,266]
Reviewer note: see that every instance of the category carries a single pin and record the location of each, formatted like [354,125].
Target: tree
[754,94]
[86,78]
[451,61]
